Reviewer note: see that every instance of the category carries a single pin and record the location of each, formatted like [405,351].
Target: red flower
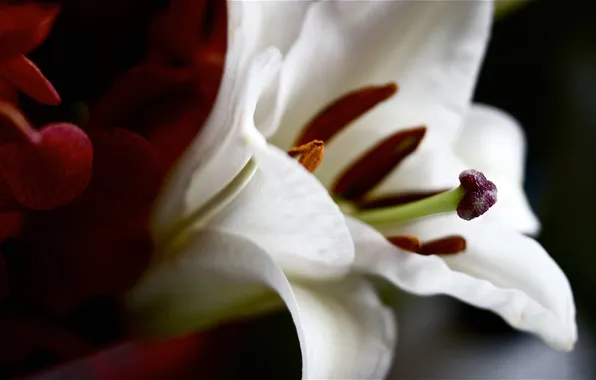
[75,200]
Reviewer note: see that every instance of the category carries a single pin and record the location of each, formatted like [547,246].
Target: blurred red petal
[176,33]
[50,172]
[127,175]
[37,280]
[23,336]
[11,224]
[193,356]
[103,260]
[145,83]
[24,26]
[24,75]
[8,92]
[14,126]
[7,201]
[99,243]
[174,123]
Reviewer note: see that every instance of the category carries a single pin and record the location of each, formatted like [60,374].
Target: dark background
[541,68]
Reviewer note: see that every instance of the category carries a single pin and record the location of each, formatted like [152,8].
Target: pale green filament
[203,214]
[444,202]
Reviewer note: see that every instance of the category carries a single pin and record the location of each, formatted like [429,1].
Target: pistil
[472,198]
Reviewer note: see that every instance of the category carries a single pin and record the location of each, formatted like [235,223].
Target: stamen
[311,154]
[333,118]
[372,167]
[407,243]
[472,198]
[449,245]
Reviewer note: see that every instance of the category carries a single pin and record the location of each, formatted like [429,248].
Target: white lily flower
[240,218]
[436,75]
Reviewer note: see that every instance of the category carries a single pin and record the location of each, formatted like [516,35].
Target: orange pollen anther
[311,154]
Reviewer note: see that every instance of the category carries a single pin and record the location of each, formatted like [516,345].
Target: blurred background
[541,68]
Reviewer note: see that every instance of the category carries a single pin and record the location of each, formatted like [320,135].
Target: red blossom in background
[75,200]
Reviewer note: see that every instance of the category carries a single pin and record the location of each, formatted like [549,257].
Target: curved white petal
[214,277]
[501,270]
[287,212]
[267,23]
[432,49]
[264,24]
[344,330]
[217,156]
[494,143]
[348,332]
[512,208]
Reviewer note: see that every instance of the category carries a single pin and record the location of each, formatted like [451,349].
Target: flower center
[472,198]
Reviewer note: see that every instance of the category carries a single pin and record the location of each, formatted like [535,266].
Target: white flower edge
[501,270]
[343,328]
[493,142]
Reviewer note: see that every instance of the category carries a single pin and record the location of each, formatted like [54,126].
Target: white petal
[432,49]
[217,156]
[493,142]
[267,23]
[287,212]
[501,270]
[348,332]
[344,330]
[512,208]
[264,24]
[214,277]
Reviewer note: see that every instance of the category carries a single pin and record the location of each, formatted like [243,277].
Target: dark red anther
[449,245]
[406,242]
[480,194]
[373,166]
[336,116]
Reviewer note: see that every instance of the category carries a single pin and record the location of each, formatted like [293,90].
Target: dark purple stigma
[480,194]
